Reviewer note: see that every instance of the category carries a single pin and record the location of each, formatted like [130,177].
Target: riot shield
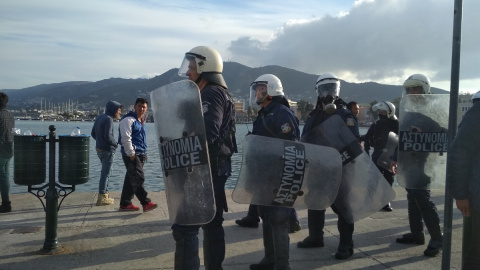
[363,189]
[384,160]
[286,173]
[423,141]
[181,136]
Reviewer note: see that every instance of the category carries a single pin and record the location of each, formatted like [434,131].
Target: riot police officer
[377,137]
[204,66]
[420,205]
[275,119]
[476,97]
[328,104]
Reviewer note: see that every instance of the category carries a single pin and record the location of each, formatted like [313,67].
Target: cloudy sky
[383,41]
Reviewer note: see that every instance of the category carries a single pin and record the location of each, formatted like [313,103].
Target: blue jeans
[106,157]
[4,178]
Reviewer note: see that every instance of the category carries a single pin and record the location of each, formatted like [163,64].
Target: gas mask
[329,105]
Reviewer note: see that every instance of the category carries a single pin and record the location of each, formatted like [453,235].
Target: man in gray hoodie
[106,146]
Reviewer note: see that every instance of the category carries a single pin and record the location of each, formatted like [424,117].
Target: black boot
[260,266]
[433,249]
[294,226]
[345,247]
[267,262]
[387,208]
[5,207]
[316,222]
[248,222]
[410,238]
[416,235]
[311,242]
[344,251]
[432,222]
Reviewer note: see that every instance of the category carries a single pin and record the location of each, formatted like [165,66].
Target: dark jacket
[277,121]
[7,122]
[463,159]
[102,130]
[377,136]
[219,117]
[318,116]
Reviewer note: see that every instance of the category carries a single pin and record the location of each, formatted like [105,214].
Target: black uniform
[277,121]
[377,137]
[316,218]
[219,117]
[420,205]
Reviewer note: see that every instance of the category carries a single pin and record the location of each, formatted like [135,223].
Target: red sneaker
[149,207]
[129,207]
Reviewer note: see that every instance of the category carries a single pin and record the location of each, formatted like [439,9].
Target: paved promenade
[101,237]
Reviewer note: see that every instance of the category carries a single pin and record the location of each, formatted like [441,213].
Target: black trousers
[134,181]
[471,241]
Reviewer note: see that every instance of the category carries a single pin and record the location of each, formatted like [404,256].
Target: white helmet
[416,80]
[328,84]
[476,97]
[209,64]
[273,87]
[385,106]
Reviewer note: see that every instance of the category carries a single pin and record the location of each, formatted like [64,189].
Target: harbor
[101,237]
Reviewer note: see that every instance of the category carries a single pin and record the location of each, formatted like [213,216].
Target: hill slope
[297,86]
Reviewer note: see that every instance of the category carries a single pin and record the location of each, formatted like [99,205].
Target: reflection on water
[153,171]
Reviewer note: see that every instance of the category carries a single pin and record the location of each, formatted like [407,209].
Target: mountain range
[297,86]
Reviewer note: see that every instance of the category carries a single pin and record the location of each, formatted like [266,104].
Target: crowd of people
[204,65]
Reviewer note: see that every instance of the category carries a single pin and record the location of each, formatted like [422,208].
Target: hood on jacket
[112,107]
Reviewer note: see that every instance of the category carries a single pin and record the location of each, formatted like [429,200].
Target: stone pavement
[101,237]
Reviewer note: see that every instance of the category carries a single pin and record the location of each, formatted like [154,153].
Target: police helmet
[416,84]
[476,97]
[272,88]
[385,106]
[209,64]
[328,85]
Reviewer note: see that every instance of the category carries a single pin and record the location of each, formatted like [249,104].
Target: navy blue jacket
[102,130]
[277,121]
[463,159]
[132,135]
[219,116]
[318,116]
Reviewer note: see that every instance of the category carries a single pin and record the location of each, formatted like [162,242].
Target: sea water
[152,169]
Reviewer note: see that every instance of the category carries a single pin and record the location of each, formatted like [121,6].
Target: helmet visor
[258,93]
[414,90]
[328,89]
[190,63]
